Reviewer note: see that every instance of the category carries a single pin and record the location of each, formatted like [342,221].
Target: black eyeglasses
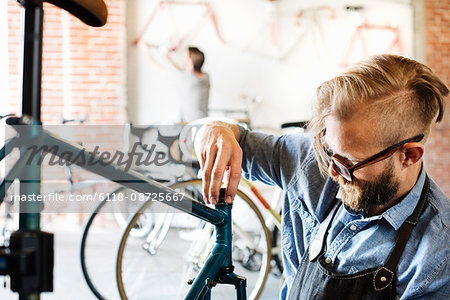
[346,168]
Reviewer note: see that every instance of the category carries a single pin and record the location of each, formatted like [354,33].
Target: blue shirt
[354,242]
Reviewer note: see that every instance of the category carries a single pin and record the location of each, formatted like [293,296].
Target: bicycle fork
[157,235]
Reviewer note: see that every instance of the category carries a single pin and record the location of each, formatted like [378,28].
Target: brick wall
[83,67]
[83,76]
[437,52]
[14,53]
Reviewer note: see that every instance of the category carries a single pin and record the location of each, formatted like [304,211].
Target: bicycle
[39,251]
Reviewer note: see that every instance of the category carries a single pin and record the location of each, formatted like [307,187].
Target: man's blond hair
[401,96]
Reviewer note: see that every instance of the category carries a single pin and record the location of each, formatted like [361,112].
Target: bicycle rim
[183,250]
[98,249]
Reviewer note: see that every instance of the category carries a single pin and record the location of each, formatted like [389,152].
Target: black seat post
[32,59]
[31,99]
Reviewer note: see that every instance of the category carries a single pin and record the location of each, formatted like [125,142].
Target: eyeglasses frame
[334,158]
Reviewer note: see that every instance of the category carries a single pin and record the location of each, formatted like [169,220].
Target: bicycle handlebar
[300,124]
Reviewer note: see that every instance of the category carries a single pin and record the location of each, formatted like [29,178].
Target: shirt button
[309,220]
[328,260]
[353,227]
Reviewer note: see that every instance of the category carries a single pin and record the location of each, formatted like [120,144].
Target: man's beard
[363,196]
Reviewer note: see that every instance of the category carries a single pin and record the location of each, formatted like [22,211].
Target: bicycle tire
[133,267]
[101,234]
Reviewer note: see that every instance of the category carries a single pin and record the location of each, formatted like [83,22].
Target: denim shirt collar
[397,214]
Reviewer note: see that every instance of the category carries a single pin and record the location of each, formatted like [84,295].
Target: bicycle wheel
[187,243]
[100,238]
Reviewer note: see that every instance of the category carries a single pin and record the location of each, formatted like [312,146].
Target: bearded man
[361,218]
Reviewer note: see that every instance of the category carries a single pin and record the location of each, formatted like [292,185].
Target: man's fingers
[234,176]
[217,174]
[232,187]
[208,165]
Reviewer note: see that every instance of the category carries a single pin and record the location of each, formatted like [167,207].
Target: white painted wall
[248,63]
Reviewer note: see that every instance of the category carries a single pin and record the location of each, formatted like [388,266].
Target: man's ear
[413,153]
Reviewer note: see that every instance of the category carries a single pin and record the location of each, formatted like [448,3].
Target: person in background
[361,218]
[191,82]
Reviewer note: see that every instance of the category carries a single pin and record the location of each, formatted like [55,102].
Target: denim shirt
[354,242]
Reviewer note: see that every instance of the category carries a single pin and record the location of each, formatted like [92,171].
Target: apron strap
[316,244]
[385,274]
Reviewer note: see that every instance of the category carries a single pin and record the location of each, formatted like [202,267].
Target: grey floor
[68,279]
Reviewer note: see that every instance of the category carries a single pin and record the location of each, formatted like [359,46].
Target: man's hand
[220,156]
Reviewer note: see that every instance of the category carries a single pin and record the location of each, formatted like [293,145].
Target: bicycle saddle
[91,12]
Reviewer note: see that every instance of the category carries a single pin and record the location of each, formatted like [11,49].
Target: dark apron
[315,278]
